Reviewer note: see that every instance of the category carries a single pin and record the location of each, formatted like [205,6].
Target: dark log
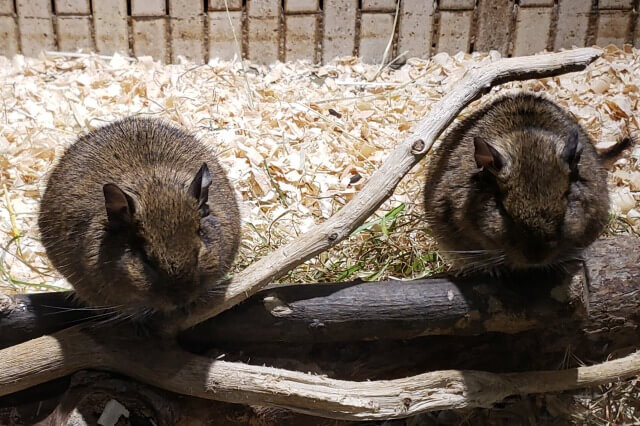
[348,312]
[27,316]
[604,290]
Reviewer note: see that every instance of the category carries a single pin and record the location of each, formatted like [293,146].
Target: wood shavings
[310,141]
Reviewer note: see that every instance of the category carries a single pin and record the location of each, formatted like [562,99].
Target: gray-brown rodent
[139,217]
[516,186]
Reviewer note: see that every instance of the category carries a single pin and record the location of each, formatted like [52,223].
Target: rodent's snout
[536,252]
[172,291]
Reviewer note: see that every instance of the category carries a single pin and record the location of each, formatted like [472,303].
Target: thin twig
[390,44]
[239,53]
[86,55]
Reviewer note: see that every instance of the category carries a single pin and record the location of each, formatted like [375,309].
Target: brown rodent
[516,186]
[140,218]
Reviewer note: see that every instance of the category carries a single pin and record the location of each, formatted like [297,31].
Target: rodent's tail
[610,155]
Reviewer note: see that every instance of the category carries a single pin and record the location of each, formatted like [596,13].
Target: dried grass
[312,137]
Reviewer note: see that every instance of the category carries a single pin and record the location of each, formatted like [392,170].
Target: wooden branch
[175,370]
[384,181]
[26,316]
[83,401]
[349,312]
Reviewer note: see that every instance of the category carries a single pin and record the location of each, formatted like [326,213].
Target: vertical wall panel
[6,7]
[264,40]
[573,22]
[221,42]
[34,8]
[74,32]
[494,25]
[110,25]
[187,29]
[297,6]
[263,8]
[264,30]
[415,28]
[383,5]
[615,4]
[8,33]
[613,26]
[72,7]
[36,35]
[150,38]
[455,31]
[531,3]
[339,28]
[35,26]
[457,4]
[375,31]
[301,33]
[148,7]
[187,38]
[217,5]
[532,27]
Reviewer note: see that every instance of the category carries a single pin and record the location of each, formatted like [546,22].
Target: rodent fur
[139,217]
[517,185]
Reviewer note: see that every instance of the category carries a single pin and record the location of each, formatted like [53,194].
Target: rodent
[139,217]
[515,186]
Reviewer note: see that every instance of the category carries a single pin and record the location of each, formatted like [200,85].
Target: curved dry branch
[384,181]
[175,370]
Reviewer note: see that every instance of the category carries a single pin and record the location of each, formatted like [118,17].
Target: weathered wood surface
[613,265]
[82,399]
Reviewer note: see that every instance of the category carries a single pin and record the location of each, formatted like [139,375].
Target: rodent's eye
[144,258]
[137,244]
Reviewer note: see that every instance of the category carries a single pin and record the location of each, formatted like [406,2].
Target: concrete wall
[270,30]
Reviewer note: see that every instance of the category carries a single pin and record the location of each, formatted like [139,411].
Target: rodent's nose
[535,256]
[537,251]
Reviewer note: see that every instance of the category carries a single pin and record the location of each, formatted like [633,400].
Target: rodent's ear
[199,189]
[118,204]
[572,150]
[486,156]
